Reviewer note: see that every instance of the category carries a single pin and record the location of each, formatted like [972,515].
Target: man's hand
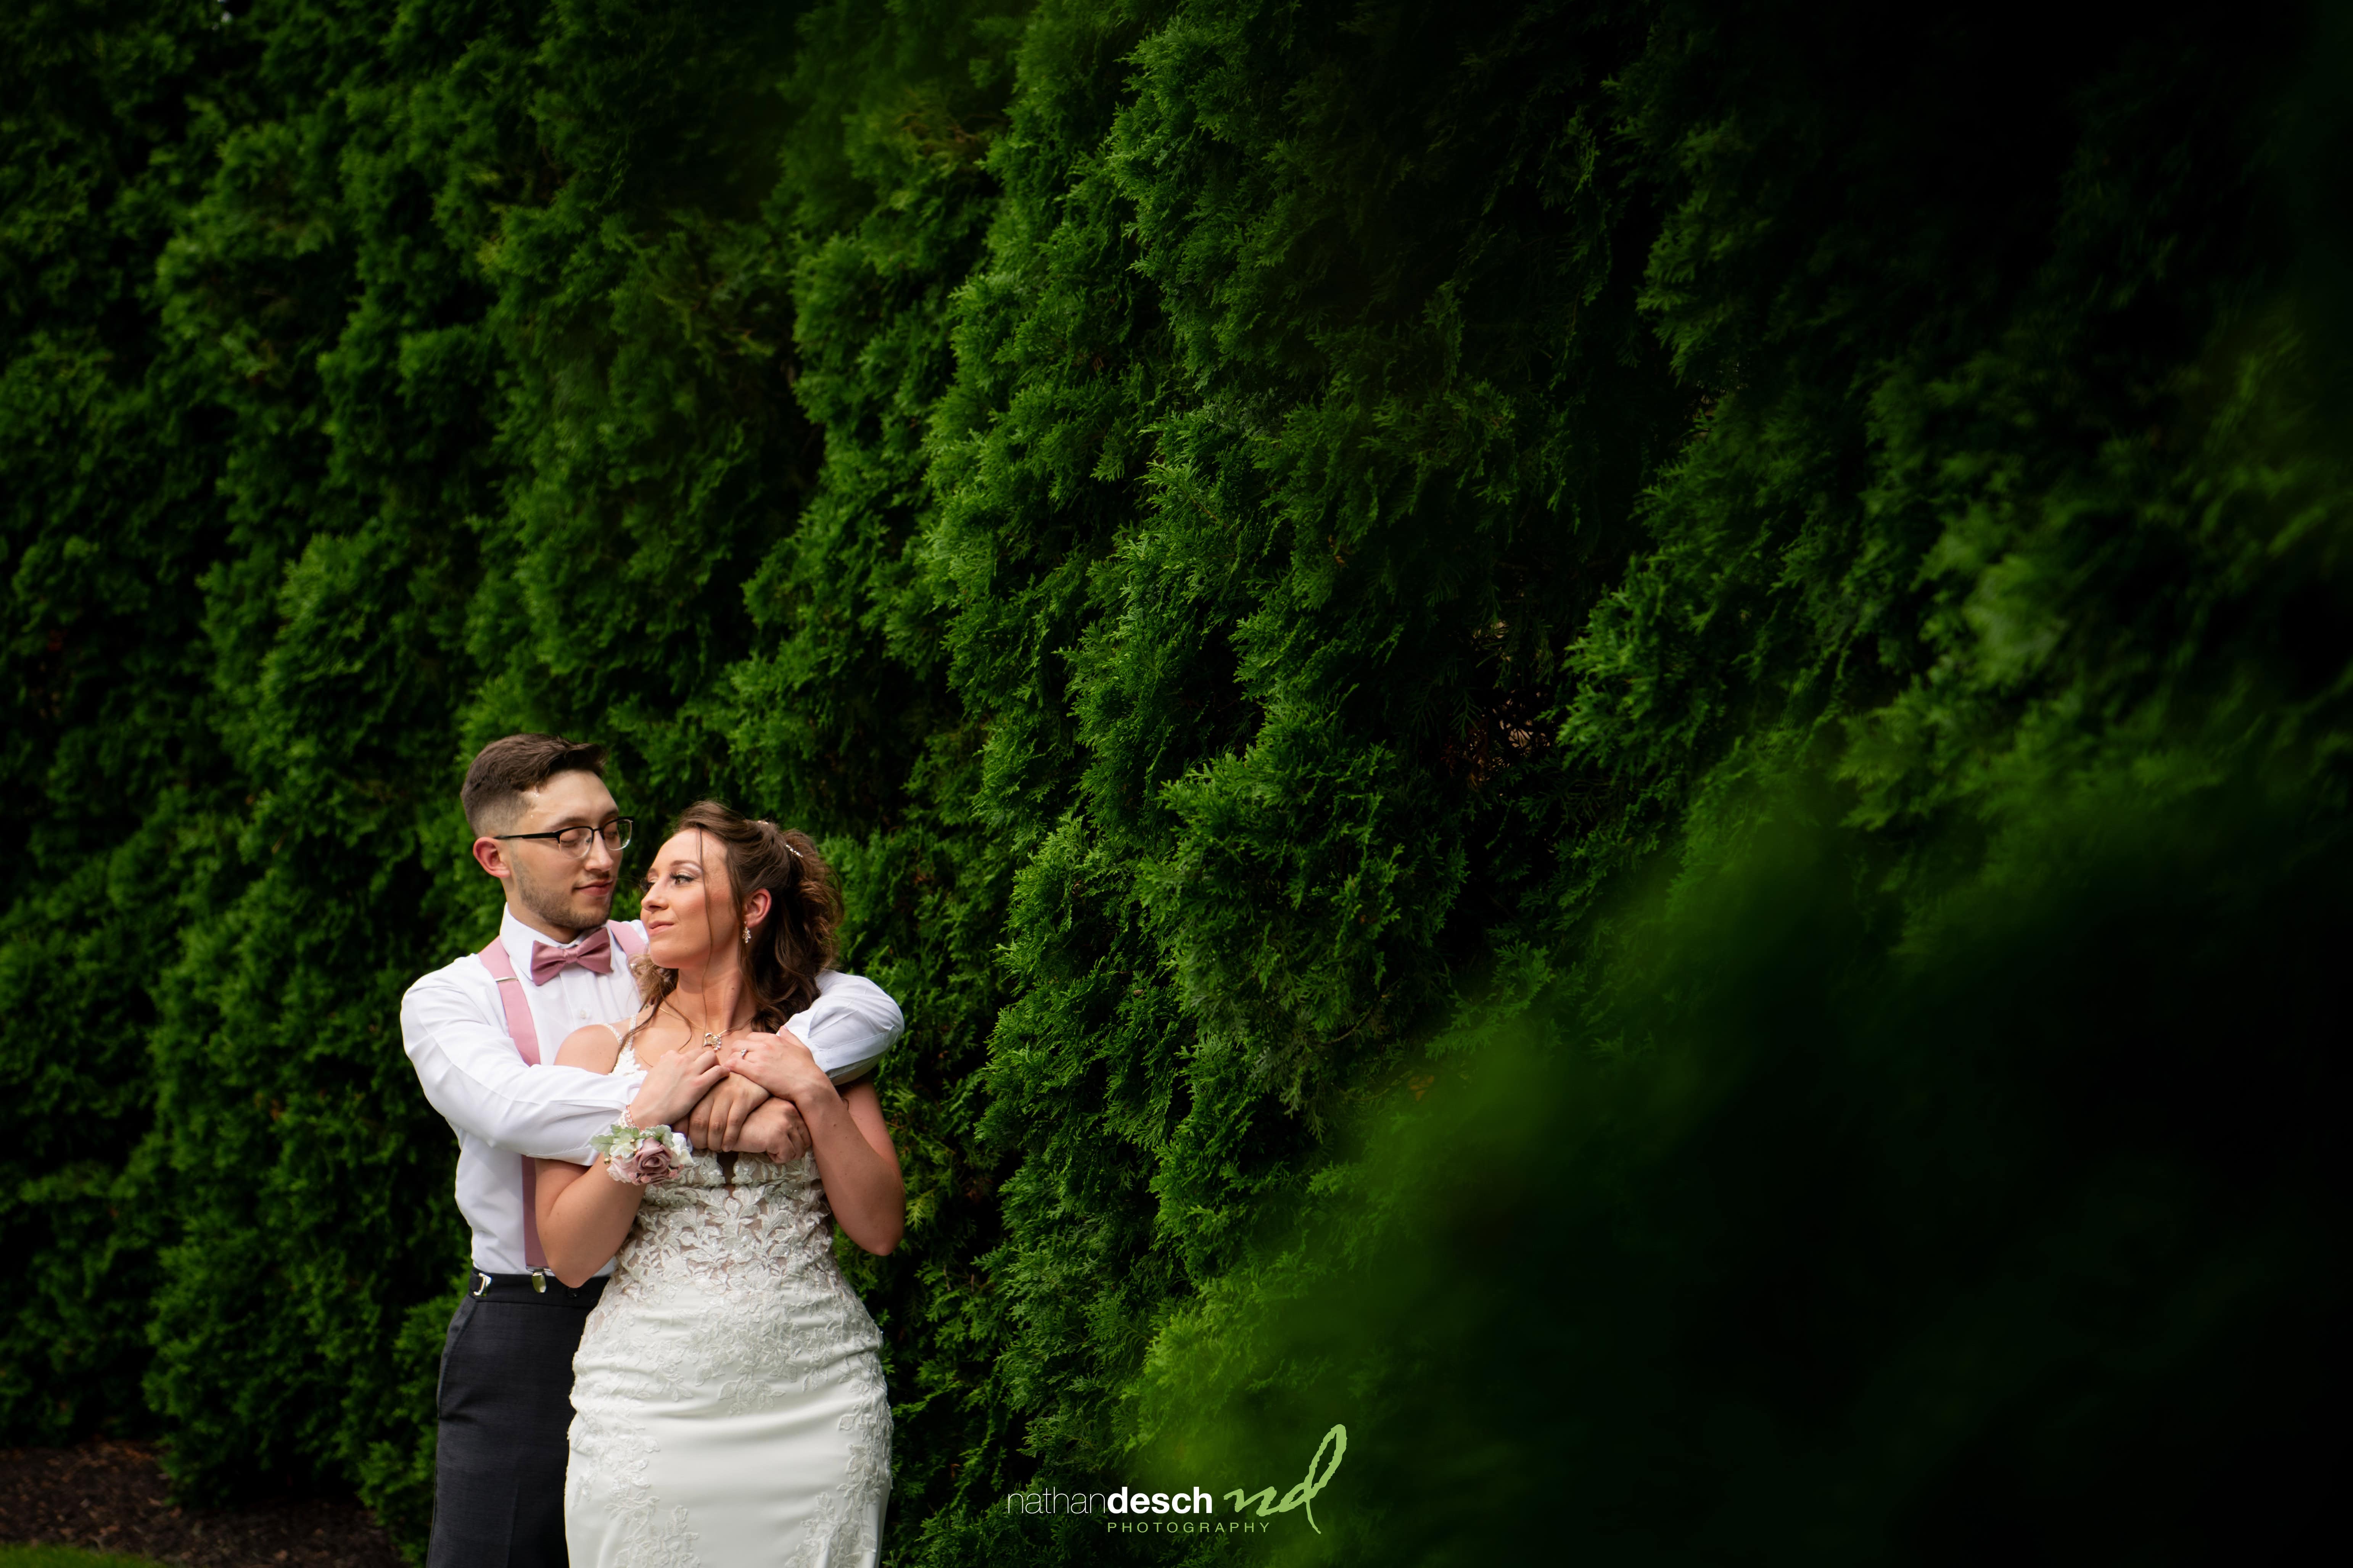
[719,1118]
[776,1131]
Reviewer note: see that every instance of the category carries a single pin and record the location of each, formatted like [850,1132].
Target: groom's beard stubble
[557,903]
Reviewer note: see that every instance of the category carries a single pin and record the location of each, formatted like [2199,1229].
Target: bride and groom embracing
[658,1359]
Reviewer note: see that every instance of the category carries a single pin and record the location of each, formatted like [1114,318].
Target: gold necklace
[715,1039]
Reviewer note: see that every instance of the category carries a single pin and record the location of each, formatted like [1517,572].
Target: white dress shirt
[504,1110]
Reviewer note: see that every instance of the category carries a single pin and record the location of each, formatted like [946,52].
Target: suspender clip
[481,1282]
[539,1280]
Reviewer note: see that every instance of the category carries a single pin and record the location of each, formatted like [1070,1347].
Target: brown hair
[503,770]
[797,942]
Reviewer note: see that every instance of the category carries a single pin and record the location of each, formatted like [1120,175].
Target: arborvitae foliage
[109,462]
[1252,530]
[1894,1240]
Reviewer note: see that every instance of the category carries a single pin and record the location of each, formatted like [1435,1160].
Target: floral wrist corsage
[642,1154]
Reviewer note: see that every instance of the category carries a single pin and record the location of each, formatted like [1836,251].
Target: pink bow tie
[593,952]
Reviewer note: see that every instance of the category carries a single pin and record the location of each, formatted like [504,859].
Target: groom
[479,1031]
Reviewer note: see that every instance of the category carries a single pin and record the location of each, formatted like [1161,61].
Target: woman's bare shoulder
[595,1046]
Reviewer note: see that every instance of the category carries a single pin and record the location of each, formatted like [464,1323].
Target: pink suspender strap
[526,1042]
[525,1035]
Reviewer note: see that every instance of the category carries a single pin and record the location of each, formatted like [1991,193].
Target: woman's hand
[673,1085]
[779,1064]
[855,1160]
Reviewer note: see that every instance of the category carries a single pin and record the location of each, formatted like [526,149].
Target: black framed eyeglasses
[574,840]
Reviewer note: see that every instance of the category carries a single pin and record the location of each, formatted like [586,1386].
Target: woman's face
[690,909]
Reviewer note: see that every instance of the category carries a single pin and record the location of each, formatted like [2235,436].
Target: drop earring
[747,936]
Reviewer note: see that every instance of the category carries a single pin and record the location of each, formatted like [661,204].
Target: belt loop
[481,1282]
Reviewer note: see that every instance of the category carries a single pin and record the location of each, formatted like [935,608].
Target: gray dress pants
[505,1417]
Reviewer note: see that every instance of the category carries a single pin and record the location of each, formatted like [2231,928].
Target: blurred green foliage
[1811,1229]
[1292,552]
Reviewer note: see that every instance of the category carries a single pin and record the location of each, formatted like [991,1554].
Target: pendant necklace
[725,1156]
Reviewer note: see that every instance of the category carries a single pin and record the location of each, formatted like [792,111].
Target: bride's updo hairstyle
[795,942]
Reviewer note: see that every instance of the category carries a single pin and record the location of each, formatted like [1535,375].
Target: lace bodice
[725,1299]
[761,1225]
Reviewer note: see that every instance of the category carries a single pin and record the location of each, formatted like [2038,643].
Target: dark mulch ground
[112,1497]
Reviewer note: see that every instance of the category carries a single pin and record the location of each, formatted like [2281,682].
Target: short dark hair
[503,770]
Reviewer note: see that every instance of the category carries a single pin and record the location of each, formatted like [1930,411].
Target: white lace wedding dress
[728,1400]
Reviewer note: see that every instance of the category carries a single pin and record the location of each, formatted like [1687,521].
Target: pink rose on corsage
[650,1164]
[642,1154]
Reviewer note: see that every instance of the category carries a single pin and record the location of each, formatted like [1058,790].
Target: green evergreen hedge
[1256,533]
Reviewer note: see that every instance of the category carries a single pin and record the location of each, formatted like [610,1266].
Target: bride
[729,1407]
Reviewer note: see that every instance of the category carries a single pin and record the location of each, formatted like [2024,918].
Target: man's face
[550,886]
